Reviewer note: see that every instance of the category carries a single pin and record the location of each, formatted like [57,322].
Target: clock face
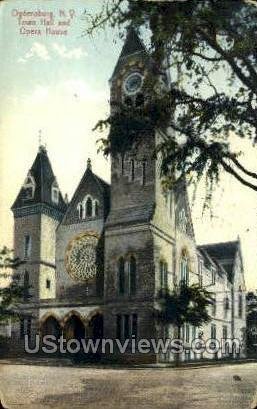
[133,83]
[80,257]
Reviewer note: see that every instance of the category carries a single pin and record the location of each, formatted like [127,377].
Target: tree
[11,292]
[184,305]
[198,115]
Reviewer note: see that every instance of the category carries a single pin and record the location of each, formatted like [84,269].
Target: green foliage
[198,114]
[185,304]
[11,293]
[10,297]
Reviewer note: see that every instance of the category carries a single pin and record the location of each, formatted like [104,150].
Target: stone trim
[38,208]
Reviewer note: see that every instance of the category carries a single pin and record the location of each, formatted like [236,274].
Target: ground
[212,387]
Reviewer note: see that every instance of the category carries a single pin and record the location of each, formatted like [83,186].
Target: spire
[38,189]
[132,45]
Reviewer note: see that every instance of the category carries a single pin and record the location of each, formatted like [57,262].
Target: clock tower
[140,228]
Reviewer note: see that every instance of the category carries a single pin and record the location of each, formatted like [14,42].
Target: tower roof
[132,45]
[42,180]
[224,253]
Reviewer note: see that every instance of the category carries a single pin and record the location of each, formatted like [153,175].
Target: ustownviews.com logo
[51,344]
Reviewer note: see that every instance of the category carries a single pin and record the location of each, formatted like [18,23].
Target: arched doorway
[95,332]
[96,327]
[51,326]
[74,328]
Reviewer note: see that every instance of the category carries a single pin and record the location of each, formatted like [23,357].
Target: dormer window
[29,188]
[55,193]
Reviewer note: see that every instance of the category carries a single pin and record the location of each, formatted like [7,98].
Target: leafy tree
[10,293]
[199,114]
[184,305]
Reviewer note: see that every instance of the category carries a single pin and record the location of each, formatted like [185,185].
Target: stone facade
[145,243]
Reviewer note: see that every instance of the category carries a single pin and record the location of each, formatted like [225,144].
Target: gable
[93,192]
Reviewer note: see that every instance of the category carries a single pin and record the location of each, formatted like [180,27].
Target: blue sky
[59,84]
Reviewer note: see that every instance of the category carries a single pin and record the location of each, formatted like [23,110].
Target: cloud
[64,52]
[37,50]
[40,51]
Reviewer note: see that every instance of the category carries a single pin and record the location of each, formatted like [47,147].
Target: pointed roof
[42,176]
[224,253]
[132,45]
[88,180]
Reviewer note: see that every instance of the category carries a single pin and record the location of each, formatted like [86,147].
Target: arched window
[27,246]
[163,275]
[122,164]
[240,304]
[80,210]
[26,286]
[143,172]
[132,170]
[55,192]
[96,208]
[89,207]
[121,275]
[184,272]
[139,100]
[29,187]
[226,306]
[128,102]
[132,274]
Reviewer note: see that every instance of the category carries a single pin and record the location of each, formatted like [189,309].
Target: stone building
[95,265]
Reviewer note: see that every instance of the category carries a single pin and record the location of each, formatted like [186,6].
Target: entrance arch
[74,328]
[51,326]
[95,326]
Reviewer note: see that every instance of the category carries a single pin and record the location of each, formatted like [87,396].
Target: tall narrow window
[28,332]
[122,164]
[22,328]
[139,102]
[80,209]
[89,207]
[187,332]
[118,326]
[143,172]
[225,332]
[213,331]
[214,304]
[96,208]
[126,326]
[134,325]
[26,286]
[121,273]
[132,275]
[240,305]
[27,246]
[132,170]
[55,193]
[184,272]
[163,275]
[226,306]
